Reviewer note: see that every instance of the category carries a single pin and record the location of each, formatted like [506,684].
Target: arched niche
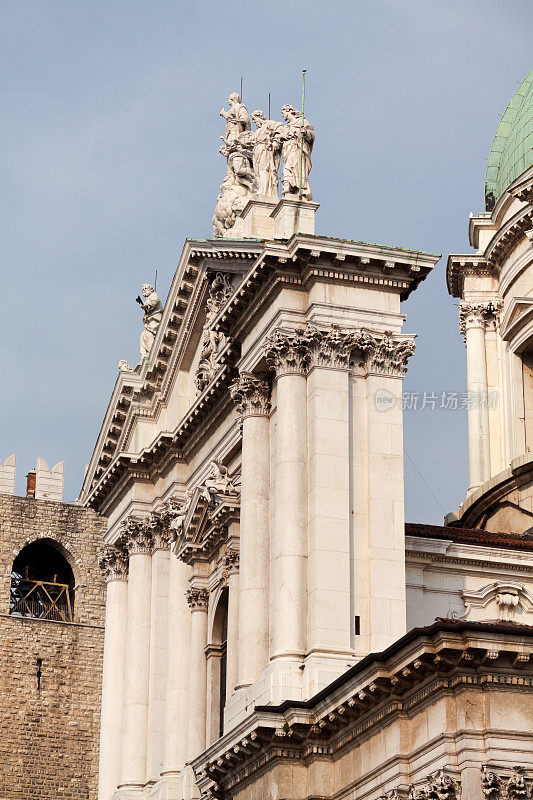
[217,650]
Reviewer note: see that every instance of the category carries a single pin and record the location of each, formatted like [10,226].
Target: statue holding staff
[297,137]
[153,312]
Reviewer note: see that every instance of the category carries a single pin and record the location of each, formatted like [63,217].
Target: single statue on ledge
[153,312]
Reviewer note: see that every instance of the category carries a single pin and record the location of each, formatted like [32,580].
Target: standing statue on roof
[267,154]
[297,141]
[237,118]
[239,182]
[152,314]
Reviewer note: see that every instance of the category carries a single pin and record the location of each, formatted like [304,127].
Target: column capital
[159,530]
[136,535]
[197,599]
[251,393]
[479,314]
[328,348]
[287,351]
[113,562]
[384,354]
[230,562]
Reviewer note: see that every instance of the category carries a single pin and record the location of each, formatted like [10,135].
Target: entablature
[460,267]
[417,669]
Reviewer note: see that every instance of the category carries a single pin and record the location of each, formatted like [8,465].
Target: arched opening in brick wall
[42,583]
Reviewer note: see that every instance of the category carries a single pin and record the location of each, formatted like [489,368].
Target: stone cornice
[459,267]
[266,268]
[304,259]
[406,677]
[147,389]
[507,236]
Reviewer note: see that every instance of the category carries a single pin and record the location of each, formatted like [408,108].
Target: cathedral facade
[273,628]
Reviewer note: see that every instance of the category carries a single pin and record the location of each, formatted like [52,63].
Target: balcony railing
[42,600]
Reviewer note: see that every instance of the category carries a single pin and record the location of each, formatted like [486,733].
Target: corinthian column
[178,656]
[231,564]
[113,562]
[252,396]
[287,353]
[158,648]
[138,542]
[472,317]
[198,601]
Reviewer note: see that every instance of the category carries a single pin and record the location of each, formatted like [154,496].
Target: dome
[512,149]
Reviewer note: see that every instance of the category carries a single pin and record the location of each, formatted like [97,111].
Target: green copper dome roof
[512,149]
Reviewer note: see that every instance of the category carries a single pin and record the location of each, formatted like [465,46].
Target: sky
[109,160]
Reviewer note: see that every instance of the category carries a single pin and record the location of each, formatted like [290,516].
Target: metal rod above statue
[254,158]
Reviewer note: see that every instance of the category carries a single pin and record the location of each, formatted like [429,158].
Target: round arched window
[42,583]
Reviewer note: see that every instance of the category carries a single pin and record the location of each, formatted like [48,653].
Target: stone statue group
[254,158]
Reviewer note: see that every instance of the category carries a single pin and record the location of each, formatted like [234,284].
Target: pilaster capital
[197,599]
[231,561]
[441,786]
[113,561]
[384,354]
[158,527]
[479,314]
[287,351]
[136,536]
[329,348]
[251,393]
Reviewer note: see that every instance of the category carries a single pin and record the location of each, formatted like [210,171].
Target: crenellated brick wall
[49,735]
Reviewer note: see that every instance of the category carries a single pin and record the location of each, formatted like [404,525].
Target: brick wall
[49,736]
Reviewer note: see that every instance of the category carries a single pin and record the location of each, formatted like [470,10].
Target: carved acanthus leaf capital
[516,787]
[330,348]
[113,561]
[384,354]
[251,393]
[197,599]
[479,315]
[440,787]
[136,535]
[287,351]
[231,561]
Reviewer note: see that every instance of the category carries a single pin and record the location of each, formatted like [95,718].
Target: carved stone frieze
[213,341]
[197,599]
[174,513]
[113,561]
[219,484]
[251,393]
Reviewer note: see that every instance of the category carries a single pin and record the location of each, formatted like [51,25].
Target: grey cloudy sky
[109,160]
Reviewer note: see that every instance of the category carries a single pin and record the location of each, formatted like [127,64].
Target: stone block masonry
[50,721]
